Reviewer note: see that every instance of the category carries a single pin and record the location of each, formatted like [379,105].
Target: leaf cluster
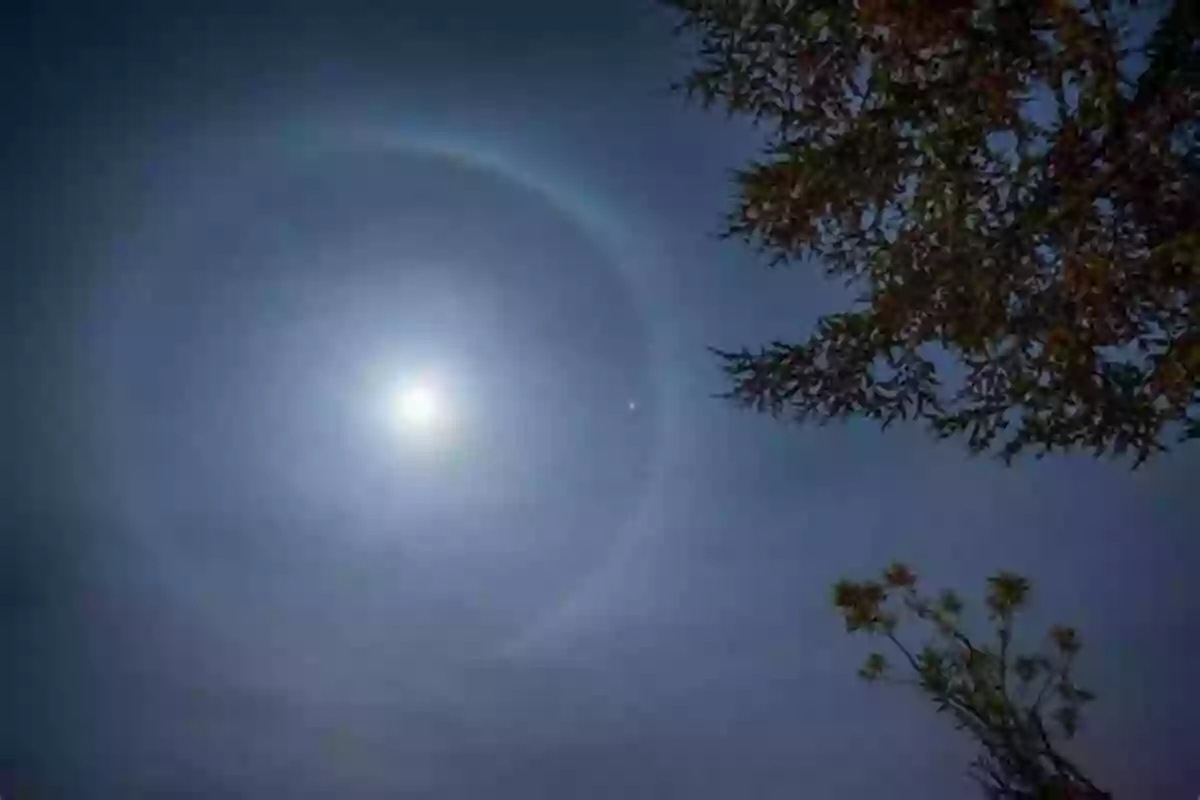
[1017,705]
[999,185]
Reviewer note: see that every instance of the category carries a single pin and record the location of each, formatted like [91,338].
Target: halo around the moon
[415,405]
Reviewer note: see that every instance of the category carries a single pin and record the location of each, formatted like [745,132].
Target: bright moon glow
[418,407]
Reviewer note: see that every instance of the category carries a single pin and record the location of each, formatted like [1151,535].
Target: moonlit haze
[419,405]
[361,439]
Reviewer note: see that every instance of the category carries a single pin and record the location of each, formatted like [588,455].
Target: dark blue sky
[222,574]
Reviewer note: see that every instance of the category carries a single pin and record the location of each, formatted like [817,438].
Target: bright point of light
[418,407]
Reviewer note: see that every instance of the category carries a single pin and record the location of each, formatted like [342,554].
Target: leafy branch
[1002,697]
[1000,188]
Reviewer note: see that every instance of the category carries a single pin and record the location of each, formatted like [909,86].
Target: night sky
[227,569]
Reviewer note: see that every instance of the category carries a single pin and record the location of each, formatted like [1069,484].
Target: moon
[419,407]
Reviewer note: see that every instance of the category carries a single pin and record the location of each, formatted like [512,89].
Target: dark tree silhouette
[1016,705]
[1012,183]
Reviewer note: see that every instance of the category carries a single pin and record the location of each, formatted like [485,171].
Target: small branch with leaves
[1002,697]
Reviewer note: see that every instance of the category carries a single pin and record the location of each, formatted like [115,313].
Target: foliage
[1004,187]
[1016,705]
